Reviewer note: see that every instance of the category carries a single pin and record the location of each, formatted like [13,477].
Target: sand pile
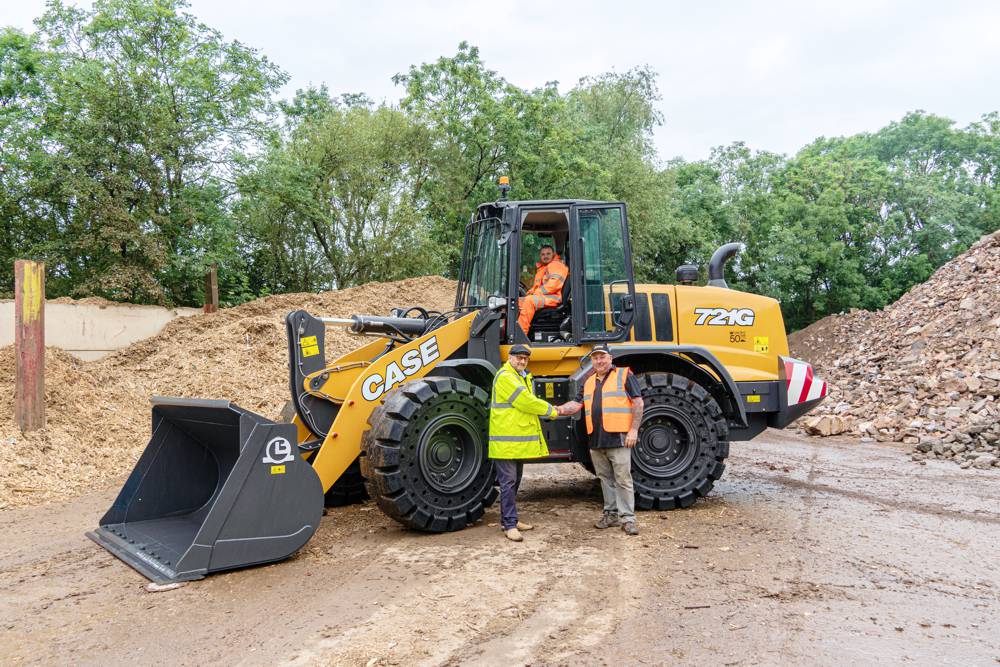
[923,371]
[98,414]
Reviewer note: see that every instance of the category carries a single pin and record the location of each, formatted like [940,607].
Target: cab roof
[539,202]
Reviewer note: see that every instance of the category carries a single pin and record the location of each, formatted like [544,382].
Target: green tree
[144,111]
[337,202]
[23,223]
[936,201]
[463,104]
[822,253]
[594,142]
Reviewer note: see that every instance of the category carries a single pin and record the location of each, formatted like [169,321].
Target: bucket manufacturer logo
[278,450]
[412,361]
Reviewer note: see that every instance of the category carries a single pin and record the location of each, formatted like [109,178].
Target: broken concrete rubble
[923,371]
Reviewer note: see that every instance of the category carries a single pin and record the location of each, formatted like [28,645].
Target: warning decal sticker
[309,346]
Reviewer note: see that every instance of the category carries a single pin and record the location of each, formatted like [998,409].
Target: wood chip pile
[923,371]
[98,413]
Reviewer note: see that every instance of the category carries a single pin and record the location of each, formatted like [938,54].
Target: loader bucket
[218,487]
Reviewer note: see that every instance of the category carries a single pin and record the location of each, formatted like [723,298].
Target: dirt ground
[807,552]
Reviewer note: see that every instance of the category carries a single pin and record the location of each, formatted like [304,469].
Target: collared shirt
[600,439]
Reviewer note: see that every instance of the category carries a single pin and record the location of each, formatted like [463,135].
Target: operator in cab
[546,289]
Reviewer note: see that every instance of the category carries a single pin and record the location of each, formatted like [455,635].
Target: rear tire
[683,443]
[426,457]
[349,489]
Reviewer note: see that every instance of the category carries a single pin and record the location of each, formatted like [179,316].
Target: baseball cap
[520,349]
[601,347]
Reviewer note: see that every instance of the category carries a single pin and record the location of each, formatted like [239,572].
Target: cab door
[602,273]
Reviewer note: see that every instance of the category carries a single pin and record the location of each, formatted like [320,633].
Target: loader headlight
[496,302]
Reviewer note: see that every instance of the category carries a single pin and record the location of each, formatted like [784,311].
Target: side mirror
[623,316]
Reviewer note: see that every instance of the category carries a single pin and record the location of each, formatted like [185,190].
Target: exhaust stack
[717,265]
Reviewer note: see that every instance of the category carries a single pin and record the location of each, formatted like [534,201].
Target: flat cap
[520,349]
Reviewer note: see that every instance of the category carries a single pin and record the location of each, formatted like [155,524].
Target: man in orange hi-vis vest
[546,289]
[611,399]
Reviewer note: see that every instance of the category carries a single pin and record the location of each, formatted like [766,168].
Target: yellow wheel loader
[404,417]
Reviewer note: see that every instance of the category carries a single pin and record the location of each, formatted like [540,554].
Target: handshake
[570,408]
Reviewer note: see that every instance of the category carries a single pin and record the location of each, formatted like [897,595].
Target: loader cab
[501,249]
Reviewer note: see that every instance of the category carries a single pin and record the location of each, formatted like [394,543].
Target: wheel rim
[450,453]
[666,444]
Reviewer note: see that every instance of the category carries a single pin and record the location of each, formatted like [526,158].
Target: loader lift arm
[356,385]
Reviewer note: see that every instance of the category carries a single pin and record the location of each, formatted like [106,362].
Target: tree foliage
[139,147]
[337,201]
[136,111]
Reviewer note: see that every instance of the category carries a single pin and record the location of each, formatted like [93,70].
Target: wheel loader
[403,418]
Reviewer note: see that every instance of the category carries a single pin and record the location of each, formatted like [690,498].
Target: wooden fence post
[29,343]
[211,290]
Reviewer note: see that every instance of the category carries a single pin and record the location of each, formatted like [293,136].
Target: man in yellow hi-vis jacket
[515,432]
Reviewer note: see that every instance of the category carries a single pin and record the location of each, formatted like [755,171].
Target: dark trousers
[509,478]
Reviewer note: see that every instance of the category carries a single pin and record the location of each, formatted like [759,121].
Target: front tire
[426,457]
[683,443]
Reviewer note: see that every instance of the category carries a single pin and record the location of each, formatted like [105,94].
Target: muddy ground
[806,552]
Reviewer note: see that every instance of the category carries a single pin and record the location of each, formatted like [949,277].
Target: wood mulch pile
[98,413]
[924,371]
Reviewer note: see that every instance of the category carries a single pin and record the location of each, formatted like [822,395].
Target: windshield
[484,271]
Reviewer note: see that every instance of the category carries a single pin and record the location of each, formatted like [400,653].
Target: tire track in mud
[866,496]
[437,606]
[795,585]
[571,611]
[460,605]
[87,588]
[65,562]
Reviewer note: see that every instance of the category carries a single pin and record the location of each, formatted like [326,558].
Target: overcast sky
[775,75]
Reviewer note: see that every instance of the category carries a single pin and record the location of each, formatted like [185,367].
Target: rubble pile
[924,371]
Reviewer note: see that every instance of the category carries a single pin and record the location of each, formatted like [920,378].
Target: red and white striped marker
[802,385]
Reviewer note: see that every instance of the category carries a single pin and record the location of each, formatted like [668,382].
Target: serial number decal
[720,317]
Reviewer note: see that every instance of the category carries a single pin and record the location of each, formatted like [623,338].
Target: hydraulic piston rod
[360,324]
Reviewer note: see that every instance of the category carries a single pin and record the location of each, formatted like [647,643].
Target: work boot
[514,535]
[608,520]
[524,526]
[630,528]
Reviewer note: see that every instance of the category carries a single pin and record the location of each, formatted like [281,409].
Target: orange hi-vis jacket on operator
[616,406]
[545,292]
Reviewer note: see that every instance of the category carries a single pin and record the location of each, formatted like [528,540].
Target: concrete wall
[91,331]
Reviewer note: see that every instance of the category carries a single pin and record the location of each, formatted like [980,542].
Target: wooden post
[29,343]
[211,290]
